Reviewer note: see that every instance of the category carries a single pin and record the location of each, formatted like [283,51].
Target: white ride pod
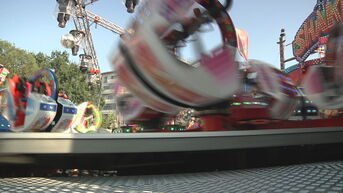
[279,88]
[64,9]
[66,114]
[39,113]
[137,88]
[322,87]
[68,41]
[268,82]
[215,80]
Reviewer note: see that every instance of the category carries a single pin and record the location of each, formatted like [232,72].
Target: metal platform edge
[61,143]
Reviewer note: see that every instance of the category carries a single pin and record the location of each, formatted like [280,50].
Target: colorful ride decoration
[313,36]
[32,104]
[3,74]
[87,120]
[131,128]
[173,128]
[297,71]
[3,101]
[323,83]
[317,27]
[148,67]
[243,43]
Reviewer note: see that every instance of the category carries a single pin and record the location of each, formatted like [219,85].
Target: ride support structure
[83,19]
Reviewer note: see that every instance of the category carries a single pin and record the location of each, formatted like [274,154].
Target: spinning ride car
[271,96]
[323,83]
[279,88]
[149,68]
[32,104]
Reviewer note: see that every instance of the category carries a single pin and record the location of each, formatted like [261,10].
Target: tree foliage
[108,121]
[16,60]
[71,81]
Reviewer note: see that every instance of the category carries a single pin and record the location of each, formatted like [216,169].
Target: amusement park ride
[242,113]
[225,94]
[231,95]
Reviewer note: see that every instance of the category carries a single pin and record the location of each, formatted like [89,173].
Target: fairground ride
[149,66]
[319,35]
[234,118]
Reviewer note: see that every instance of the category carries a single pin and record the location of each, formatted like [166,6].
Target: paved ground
[317,177]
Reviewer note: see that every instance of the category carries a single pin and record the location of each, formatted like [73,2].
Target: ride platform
[63,143]
[280,160]
[124,150]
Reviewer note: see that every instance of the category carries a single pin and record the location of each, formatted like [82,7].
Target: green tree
[16,60]
[70,79]
[42,60]
[108,121]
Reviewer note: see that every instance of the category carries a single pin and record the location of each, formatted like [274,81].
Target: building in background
[108,80]
[111,89]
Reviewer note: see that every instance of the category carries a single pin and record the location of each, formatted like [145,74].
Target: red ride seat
[20,89]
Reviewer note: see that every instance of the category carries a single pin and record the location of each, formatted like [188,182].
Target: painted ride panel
[67,112]
[139,89]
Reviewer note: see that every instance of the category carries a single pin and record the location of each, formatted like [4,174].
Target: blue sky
[31,25]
